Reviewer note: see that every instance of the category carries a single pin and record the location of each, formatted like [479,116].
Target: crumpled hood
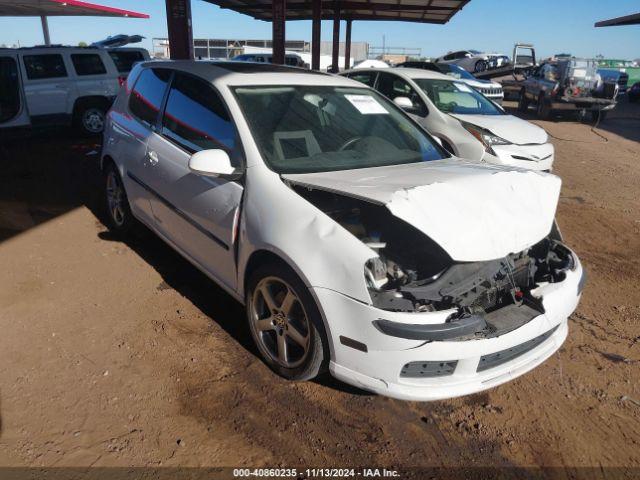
[474,212]
[510,128]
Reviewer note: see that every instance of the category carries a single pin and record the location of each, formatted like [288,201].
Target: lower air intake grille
[428,369]
[494,359]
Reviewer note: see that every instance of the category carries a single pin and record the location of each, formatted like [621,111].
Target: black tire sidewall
[317,361]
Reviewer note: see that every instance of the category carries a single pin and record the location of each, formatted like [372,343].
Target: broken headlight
[485,137]
[375,273]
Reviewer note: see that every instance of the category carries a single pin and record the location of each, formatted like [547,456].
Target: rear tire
[480,66]
[120,218]
[285,323]
[90,117]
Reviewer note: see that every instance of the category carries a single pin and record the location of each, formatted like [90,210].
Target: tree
[82,44]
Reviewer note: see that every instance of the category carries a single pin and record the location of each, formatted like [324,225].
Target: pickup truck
[563,84]
[568,84]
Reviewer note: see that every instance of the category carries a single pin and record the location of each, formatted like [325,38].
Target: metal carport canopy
[620,21]
[58,8]
[424,11]
[278,11]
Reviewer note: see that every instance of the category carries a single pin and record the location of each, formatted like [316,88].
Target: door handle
[153,157]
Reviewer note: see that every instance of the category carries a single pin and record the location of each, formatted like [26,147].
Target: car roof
[407,72]
[44,49]
[232,73]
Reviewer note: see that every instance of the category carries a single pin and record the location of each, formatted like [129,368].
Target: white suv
[356,243]
[62,85]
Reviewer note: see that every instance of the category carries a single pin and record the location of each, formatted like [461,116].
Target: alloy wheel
[280,323]
[115,198]
[93,120]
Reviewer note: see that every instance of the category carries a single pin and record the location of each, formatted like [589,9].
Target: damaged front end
[412,273]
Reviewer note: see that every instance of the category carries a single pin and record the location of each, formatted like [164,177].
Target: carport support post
[347,46]
[180,31]
[315,34]
[336,38]
[278,24]
[45,30]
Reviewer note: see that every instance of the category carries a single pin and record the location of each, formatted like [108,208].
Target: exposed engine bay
[414,274]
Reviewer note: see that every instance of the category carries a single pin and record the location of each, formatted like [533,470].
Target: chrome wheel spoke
[268,298]
[282,349]
[293,333]
[287,302]
[265,324]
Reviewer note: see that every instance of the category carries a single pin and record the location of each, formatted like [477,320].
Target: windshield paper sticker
[366,104]
[462,87]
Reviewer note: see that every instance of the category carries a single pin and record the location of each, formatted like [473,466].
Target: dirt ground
[122,354]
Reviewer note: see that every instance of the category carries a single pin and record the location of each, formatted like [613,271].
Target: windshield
[455,71]
[457,97]
[304,129]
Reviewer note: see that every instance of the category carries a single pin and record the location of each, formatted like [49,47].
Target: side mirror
[404,102]
[211,163]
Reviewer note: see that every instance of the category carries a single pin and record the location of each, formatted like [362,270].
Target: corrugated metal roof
[55,8]
[423,11]
[619,21]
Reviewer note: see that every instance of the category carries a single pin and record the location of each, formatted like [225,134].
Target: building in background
[359,51]
[395,55]
[225,49]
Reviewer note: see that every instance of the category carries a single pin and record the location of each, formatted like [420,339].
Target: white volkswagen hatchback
[467,123]
[356,243]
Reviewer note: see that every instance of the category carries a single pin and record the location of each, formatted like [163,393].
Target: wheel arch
[261,256]
[81,102]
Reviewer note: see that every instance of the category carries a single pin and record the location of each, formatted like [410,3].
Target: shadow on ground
[623,121]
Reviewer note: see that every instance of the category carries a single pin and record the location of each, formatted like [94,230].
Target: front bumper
[530,157]
[379,361]
[585,103]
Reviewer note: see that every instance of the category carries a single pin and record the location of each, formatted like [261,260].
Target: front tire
[285,323]
[120,218]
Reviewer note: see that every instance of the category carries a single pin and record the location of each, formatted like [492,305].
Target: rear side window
[195,117]
[368,78]
[49,65]
[125,60]
[146,97]
[88,64]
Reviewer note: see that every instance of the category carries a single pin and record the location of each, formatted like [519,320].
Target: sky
[553,26]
